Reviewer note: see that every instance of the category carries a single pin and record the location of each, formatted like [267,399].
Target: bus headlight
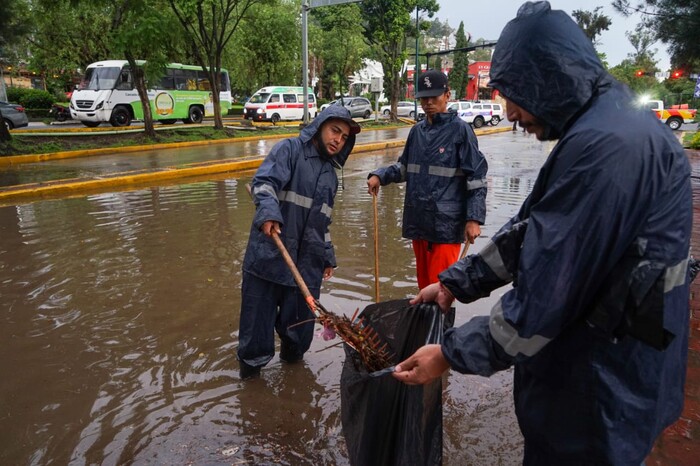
[260,110]
[99,106]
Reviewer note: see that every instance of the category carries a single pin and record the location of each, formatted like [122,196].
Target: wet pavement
[119,327]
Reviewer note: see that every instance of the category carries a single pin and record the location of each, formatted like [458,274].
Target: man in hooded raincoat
[445,175]
[293,190]
[596,324]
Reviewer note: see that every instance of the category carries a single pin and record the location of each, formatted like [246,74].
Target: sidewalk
[680,444]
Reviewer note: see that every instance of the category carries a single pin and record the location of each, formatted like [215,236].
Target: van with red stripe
[275,103]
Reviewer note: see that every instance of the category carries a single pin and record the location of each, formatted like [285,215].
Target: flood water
[119,327]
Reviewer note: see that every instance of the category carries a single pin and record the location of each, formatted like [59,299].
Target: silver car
[359,107]
[405,108]
[13,115]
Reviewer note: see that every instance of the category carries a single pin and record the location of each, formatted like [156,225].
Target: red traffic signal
[639,73]
[676,74]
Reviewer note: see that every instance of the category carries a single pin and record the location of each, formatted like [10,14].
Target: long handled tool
[376,249]
[360,337]
[464,250]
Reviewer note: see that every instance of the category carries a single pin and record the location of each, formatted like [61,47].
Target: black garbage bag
[386,422]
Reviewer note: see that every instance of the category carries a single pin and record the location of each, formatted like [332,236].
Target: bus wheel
[120,117]
[168,121]
[275,118]
[196,115]
[91,124]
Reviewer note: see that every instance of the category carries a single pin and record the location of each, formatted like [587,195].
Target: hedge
[30,98]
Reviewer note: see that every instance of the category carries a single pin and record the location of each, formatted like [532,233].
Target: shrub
[30,98]
[694,142]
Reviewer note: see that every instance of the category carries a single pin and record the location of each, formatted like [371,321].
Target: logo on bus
[165,105]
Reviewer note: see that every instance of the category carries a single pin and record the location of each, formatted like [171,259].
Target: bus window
[274,98]
[97,79]
[289,98]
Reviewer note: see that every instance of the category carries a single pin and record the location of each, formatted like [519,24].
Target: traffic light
[639,73]
[677,74]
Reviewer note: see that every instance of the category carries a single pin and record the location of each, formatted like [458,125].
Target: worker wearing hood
[596,323]
[294,191]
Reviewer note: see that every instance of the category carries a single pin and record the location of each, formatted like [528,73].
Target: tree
[13,27]
[674,22]
[387,23]
[338,44]
[209,26]
[459,76]
[593,22]
[265,59]
[141,31]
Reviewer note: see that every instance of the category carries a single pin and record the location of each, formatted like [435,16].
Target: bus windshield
[97,79]
[259,98]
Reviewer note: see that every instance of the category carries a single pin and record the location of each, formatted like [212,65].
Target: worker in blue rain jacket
[445,175]
[293,190]
[596,323]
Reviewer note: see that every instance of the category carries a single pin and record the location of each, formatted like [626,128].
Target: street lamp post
[415,74]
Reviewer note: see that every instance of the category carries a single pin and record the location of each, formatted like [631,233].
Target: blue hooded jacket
[296,187]
[596,324]
[445,175]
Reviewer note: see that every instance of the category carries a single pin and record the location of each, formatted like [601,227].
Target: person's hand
[270,226]
[472,231]
[435,293]
[373,184]
[423,366]
[327,273]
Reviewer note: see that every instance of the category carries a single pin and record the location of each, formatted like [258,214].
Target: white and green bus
[107,94]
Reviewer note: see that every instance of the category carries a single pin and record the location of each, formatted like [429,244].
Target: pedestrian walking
[596,323]
[294,190]
[445,176]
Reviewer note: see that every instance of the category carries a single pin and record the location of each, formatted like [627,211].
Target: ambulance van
[275,103]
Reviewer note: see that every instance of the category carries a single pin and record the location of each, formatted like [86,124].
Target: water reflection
[119,327]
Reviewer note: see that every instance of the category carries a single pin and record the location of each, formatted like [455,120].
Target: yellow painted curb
[60,188]
[76,187]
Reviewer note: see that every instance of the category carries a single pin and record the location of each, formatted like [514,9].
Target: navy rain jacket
[445,180]
[606,228]
[296,187]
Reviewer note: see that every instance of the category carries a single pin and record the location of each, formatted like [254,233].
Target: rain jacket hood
[333,111]
[553,76]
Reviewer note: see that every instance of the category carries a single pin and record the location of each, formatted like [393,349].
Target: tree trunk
[5,135]
[140,84]
[215,85]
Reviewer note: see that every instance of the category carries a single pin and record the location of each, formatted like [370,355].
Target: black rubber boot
[289,354]
[248,372]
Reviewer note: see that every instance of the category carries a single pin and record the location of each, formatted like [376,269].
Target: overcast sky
[487,18]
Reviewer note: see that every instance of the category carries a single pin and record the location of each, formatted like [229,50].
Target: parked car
[496,112]
[359,107]
[13,115]
[471,112]
[405,108]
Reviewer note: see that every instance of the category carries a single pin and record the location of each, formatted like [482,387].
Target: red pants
[433,258]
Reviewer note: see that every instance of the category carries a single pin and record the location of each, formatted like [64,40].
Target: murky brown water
[118,328]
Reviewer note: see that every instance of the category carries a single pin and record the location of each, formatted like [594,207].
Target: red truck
[675,116]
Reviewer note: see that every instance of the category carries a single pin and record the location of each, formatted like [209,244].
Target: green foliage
[593,22]
[693,141]
[337,44]
[459,76]
[267,48]
[30,98]
[674,22]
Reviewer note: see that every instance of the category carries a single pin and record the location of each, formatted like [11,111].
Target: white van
[471,112]
[275,103]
